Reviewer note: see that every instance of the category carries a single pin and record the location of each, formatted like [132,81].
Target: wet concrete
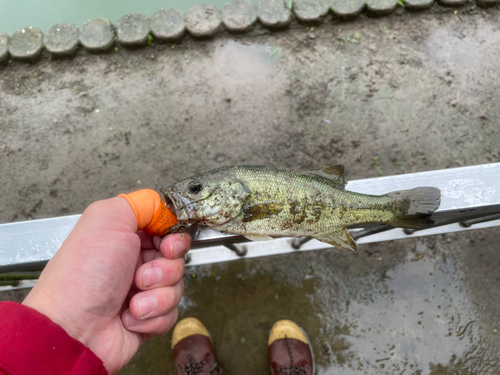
[423,306]
[410,92]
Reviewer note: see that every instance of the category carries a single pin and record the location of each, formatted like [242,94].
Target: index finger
[173,246]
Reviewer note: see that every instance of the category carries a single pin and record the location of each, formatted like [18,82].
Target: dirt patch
[377,95]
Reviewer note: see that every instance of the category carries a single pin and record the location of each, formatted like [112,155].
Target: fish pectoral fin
[258,237]
[339,238]
[334,173]
[261,210]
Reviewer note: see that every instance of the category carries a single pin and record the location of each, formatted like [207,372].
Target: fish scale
[260,202]
[310,205]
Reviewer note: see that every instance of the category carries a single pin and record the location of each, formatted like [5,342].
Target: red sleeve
[31,343]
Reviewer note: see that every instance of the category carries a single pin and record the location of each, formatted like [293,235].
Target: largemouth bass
[263,202]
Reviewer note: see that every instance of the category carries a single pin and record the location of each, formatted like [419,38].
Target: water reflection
[402,316]
[400,307]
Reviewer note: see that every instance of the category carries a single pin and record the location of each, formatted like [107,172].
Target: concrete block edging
[201,21]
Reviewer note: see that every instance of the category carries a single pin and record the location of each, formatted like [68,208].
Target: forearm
[31,343]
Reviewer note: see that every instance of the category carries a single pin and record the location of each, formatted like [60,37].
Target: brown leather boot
[193,350]
[289,350]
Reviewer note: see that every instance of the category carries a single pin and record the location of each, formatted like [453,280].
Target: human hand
[111,287]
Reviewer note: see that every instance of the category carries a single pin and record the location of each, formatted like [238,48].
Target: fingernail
[178,248]
[151,276]
[146,305]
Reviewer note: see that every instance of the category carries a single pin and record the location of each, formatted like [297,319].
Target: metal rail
[470,200]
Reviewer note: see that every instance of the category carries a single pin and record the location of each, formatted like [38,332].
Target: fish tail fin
[413,208]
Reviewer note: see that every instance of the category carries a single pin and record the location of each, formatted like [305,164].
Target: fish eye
[195,187]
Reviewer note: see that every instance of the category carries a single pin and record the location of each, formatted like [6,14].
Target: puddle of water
[241,63]
[404,309]
[465,52]
[400,318]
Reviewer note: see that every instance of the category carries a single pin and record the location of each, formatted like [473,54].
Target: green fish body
[261,202]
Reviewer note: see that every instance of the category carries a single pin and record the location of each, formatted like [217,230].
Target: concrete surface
[239,15]
[62,39]
[97,34]
[133,29]
[409,92]
[274,13]
[168,24]
[26,44]
[4,46]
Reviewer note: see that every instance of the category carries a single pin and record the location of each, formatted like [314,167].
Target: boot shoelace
[195,368]
[292,369]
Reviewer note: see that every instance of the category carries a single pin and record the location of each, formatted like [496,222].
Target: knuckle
[160,323]
[94,207]
[181,289]
[180,267]
[134,309]
[165,322]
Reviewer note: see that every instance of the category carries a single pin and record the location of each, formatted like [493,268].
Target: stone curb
[4,46]
[311,10]
[62,39]
[97,34]
[381,6]
[26,44]
[274,14]
[201,21]
[239,16]
[133,29]
[419,4]
[347,8]
[168,25]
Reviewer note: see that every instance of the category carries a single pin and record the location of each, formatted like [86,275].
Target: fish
[263,202]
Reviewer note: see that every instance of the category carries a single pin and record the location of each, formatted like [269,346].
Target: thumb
[152,214]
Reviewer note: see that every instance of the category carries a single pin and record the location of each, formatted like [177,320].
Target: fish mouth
[182,207]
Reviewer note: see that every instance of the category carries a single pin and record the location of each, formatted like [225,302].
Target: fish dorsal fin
[339,238]
[261,210]
[334,173]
